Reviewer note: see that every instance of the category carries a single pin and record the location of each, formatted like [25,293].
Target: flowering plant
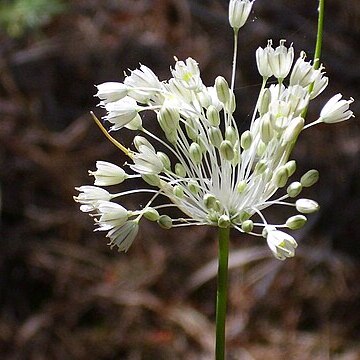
[206,168]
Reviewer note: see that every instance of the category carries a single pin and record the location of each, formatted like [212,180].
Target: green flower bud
[164,159]
[168,118]
[193,187]
[296,222]
[280,176]
[191,128]
[215,136]
[309,178]
[230,105]
[151,214]
[294,189]
[261,148]
[247,226]
[231,134]
[151,179]
[266,130]
[165,222]
[222,89]
[264,101]
[213,116]
[246,139]
[180,170]
[224,221]
[178,191]
[226,150]
[241,186]
[209,201]
[261,166]
[293,130]
[171,136]
[290,167]
[195,153]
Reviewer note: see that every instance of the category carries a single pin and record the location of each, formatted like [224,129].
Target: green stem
[236,31]
[318,45]
[319,35]
[221,298]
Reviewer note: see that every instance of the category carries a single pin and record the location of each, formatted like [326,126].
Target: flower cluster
[206,168]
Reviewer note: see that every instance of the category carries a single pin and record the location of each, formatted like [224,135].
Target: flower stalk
[221,294]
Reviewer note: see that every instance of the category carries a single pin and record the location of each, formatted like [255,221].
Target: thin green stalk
[221,296]
[318,45]
[319,36]
[236,31]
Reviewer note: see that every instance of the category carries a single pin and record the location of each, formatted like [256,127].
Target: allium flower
[198,161]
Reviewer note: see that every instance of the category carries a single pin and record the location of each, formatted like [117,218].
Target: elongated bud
[292,132]
[191,128]
[178,191]
[310,178]
[294,189]
[151,214]
[213,116]
[231,134]
[193,187]
[209,201]
[264,101]
[215,136]
[165,222]
[246,140]
[226,150]
[280,176]
[222,89]
[164,159]
[151,179]
[168,118]
[266,130]
[239,11]
[306,206]
[195,153]
[296,222]
[230,105]
[260,167]
[290,167]
[241,186]
[180,170]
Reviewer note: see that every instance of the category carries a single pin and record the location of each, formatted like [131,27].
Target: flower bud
[239,11]
[247,226]
[180,170]
[193,187]
[151,179]
[306,206]
[293,130]
[215,136]
[111,91]
[260,167]
[231,134]
[224,221]
[241,186]
[222,89]
[264,101]
[294,189]
[280,176]
[266,130]
[151,214]
[195,153]
[164,159]
[165,222]
[108,174]
[135,123]
[246,140]
[140,140]
[310,178]
[296,222]
[213,116]
[178,191]
[168,118]
[191,128]
[209,201]
[290,167]
[226,150]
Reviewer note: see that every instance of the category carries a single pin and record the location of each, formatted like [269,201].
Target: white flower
[280,60]
[90,197]
[123,236]
[188,74]
[111,91]
[111,215]
[280,243]
[198,161]
[121,112]
[336,110]
[239,11]
[108,174]
[146,161]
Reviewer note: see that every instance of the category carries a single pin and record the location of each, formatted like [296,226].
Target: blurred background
[63,293]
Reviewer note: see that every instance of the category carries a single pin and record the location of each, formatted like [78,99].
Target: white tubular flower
[262,60]
[239,11]
[146,161]
[280,60]
[111,91]
[123,236]
[90,197]
[336,110]
[110,215]
[188,74]
[198,161]
[280,243]
[108,174]
[121,112]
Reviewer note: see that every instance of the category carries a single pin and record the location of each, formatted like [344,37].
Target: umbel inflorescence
[209,170]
